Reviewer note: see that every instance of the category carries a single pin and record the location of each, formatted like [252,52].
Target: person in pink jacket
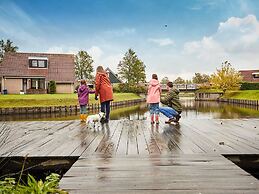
[153,98]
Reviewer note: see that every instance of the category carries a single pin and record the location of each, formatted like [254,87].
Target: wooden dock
[128,156]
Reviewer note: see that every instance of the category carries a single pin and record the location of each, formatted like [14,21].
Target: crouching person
[174,107]
[83,98]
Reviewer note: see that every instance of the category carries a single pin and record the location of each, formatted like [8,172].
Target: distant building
[250,75]
[181,87]
[113,77]
[31,72]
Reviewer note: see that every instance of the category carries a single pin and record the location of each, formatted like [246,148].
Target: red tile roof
[60,66]
[247,75]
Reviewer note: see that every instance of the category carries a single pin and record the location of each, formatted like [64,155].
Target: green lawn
[242,94]
[237,94]
[41,100]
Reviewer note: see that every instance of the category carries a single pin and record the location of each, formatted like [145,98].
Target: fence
[72,108]
[240,101]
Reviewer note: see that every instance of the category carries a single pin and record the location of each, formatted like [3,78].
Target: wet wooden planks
[133,156]
[193,173]
[34,138]
[129,137]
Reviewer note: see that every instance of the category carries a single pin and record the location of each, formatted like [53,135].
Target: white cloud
[110,61]
[113,61]
[96,53]
[244,30]
[121,32]
[63,49]
[236,39]
[205,4]
[55,49]
[162,41]
[18,25]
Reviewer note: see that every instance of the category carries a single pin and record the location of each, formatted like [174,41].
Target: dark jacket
[172,100]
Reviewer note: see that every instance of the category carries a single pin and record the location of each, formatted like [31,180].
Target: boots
[157,119]
[152,119]
[83,117]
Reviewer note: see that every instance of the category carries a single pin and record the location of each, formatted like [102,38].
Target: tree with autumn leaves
[226,78]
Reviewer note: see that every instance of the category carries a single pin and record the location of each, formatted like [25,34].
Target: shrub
[116,88]
[52,87]
[249,86]
[50,185]
[130,88]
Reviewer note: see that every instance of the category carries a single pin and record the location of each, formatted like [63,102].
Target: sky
[172,37]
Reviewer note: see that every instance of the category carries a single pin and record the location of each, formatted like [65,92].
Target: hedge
[249,86]
[52,87]
[123,87]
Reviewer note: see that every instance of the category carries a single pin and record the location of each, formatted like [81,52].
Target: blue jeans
[105,107]
[168,112]
[82,109]
[154,108]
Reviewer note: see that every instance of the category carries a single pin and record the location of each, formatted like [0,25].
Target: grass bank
[43,100]
[242,94]
[237,94]
[209,90]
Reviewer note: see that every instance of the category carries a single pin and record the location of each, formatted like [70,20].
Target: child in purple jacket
[83,98]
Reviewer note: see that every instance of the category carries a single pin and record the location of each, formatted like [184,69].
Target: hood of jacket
[154,82]
[102,73]
[82,88]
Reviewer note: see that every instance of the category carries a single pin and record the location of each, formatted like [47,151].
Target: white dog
[93,119]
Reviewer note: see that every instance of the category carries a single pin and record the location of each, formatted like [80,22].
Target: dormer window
[255,74]
[38,62]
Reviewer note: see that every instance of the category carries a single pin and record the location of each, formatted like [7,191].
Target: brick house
[250,75]
[31,72]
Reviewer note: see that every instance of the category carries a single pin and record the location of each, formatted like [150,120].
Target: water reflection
[208,109]
[191,109]
[172,137]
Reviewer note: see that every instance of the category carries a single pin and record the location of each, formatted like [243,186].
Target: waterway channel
[191,109]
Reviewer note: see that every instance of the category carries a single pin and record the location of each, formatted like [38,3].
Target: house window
[37,83]
[35,63]
[255,75]
[41,84]
[33,83]
[42,64]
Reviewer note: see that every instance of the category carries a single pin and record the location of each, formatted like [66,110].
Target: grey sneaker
[170,120]
[177,118]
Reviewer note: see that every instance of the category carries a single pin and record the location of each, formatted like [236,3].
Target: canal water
[191,109]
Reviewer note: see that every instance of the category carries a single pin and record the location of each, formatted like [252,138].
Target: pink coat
[154,91]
